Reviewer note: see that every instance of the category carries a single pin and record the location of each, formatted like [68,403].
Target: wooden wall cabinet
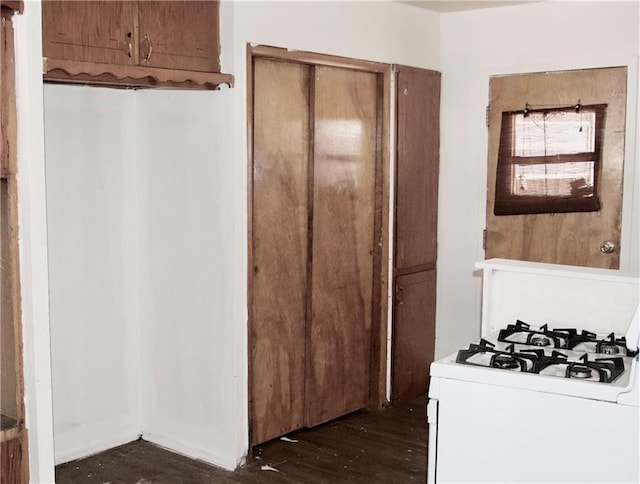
[133,43]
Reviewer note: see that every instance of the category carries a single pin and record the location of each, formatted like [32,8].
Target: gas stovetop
[558,352]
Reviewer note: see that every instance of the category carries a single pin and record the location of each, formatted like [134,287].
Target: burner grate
[604,370]
[485,354]
[521,333]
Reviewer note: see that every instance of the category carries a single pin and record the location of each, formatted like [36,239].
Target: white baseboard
[68,455]
[224,461]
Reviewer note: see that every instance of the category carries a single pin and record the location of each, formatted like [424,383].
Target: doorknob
[607,247]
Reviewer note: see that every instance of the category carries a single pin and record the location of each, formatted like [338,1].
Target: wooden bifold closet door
[316,156]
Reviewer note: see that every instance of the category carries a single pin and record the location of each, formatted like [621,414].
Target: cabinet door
[91,31]
[418,108]
[418,145]
[279,247]
[179,35]
[413,334]
[345,156]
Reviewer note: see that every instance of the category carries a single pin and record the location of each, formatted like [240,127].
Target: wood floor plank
[369,446]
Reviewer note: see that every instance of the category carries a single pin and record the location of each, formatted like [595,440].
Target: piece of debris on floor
[287,439]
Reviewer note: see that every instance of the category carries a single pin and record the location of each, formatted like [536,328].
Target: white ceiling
[458,5]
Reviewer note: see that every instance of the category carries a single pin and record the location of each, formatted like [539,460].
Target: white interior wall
[524,38]
[185,225]
[32,226]
[474,44]
[165,173]
[90,137]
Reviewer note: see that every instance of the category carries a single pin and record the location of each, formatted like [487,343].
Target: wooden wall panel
[8,354]
[11,386]
[345,153]
[279,250]
[13,437]
[7,101]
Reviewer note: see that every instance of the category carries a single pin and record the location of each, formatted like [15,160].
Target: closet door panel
[418,151]
[414,334]
[279,234]
[345,153]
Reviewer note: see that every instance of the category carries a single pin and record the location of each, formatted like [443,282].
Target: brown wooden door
[414,334]
[279,245]
[418,154]
[417,160]
[345,154]
[179,35]
[316,238]
[561,238]
[89,30]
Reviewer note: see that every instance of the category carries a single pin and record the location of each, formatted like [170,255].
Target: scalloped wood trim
[78,72]
[9,7]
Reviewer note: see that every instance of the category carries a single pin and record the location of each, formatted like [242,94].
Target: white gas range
[551,391]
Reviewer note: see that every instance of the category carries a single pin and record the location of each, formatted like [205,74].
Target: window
[549,160]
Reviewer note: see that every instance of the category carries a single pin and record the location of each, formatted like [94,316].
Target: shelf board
[92,73]
[9,428]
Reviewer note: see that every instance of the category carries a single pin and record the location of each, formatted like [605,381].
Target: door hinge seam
[484,239]
[487,112]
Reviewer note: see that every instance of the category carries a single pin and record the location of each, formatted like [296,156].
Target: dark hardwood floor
[370,446]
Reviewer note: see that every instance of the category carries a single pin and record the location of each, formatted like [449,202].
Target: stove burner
[521,333]
[537,340]
[579,371]
[505,362]
[608,348]
[484,354]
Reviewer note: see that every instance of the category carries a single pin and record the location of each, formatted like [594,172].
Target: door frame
[379,320]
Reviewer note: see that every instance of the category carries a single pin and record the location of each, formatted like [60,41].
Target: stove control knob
[607,247]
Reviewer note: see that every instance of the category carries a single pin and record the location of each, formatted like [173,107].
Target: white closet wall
[186,353]
[91,209]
